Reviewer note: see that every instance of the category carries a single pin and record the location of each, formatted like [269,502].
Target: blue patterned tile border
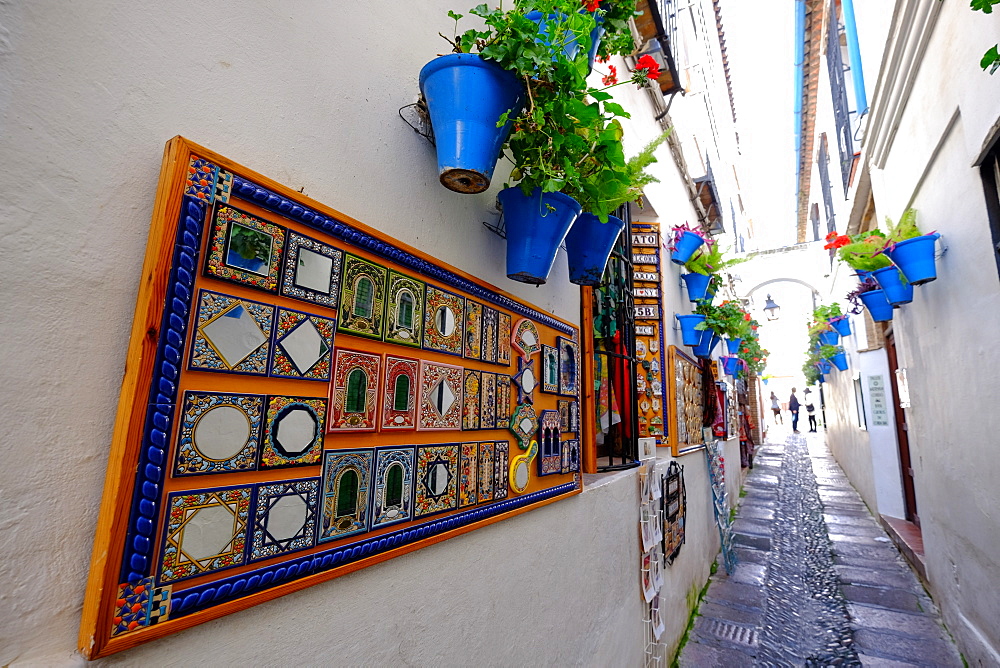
[198,598]
[142,524]
[261,196]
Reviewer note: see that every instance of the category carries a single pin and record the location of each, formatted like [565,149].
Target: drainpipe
[854,54]
[800,50]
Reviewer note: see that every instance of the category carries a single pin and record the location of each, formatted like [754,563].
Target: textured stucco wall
[307,94]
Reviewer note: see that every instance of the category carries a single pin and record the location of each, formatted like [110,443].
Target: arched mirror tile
[444,321]
[346,482]
[354,390]
[399,393]
[404,318]
[362,298]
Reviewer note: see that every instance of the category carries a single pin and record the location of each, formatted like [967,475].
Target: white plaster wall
[944,337]
[307,94]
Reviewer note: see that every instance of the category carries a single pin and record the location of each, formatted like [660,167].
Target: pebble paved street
[818,582]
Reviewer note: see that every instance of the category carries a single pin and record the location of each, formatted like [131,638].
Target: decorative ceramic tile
[218,433]
[569,367]
[470,400]
[525,380]
[490,347]
[139,605]
[570,461]
[362,298]
[404,310]
[487,463]
[294,432]
[284,518]
[520,468]
[399,393]
[551,449]
[524,424]
[347,476]
[205,531]
[303,345]
[563,406]
[232,335]
[503,400]
[569,416]
[550,369]
[354,391]
[201,178]
[488,401]
[440,396]
[392,495]
[501,451]
[311,271]
[437,479]
[444,321]
[525,338]
[473,330]
[468,475]
[244,249]
[223,185]
[574,416]
[503,338]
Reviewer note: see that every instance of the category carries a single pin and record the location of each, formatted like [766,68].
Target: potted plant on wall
[685,241]
[703,267]
[590,239]
[727,319]
[870,296]
[910,250]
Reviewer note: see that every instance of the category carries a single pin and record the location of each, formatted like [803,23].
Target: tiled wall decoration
[650,350]
[306,393]
[550,460]
[685,401]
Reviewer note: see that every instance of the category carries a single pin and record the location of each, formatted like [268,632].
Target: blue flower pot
[878,306]
[697,285]
[915,258]
[689,335]
[840,361]
[731,365]
[685,247]
[896,291]
[733,345]
[588,246]
[535,231]
[465,97]
[862,275]
[824,366]
[842,325]
[709,340]
[829,338]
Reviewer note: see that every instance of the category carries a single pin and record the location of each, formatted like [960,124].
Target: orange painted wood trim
[588,406]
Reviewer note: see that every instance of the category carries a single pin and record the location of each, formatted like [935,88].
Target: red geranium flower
[836,241]
[648,63]
[591,5]
[612,77]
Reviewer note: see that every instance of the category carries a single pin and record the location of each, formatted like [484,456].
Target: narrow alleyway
[818,581]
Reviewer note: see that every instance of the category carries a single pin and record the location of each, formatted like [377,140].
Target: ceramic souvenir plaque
[404,310]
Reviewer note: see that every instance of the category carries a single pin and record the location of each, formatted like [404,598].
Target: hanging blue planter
[891,281]
[840,361]
[689,335]
[829,338]
[842,325]
[824,366]
[588,246]
[536,226]
[686,245]
[465,98]
[878,306]
[709,340]
[863,275]
[733,345]
[697,285]
[915,258]
[731,365]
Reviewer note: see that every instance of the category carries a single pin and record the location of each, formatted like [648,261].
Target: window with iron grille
[989,169]
[838,88]
[824,182]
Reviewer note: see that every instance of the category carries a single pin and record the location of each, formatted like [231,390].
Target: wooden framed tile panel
[234,417]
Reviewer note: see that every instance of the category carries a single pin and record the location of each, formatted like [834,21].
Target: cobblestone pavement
[818,581]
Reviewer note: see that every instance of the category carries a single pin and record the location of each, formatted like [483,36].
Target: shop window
[990,171]
[357,389]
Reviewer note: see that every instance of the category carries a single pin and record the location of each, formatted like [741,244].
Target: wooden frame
[130,530]
[684,380]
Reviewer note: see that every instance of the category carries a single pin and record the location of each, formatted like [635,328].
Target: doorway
[902,438]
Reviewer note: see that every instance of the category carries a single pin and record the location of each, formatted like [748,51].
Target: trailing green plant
[817,327]
[727,319]
[826,351]
[826,312]
[709,260]
[991,59]
[811,373]
[751,351]
[854,296]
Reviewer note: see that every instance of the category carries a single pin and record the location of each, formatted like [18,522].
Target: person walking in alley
[793,408]
[810,409]
[776,409]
